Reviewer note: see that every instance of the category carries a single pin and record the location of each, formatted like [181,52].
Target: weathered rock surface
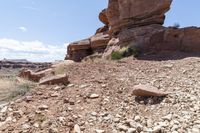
[57,79]
[135,13]
[173,39]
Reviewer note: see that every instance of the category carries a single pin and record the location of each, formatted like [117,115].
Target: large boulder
[103,17]
[134,13]
[78,50]
[35,76]
[96,44]
[55,80]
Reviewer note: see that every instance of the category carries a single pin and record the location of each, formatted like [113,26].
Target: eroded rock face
[173,39]
[81,49]
[134,13]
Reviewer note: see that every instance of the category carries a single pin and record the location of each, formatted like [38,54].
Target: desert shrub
[176,25]
[116,55]
[125,52]
[11,88]
[62,67]
[21,90]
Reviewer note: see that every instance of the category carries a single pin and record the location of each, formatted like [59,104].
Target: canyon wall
[136,23]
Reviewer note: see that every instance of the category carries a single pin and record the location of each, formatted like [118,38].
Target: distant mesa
[22,63]
[136,23]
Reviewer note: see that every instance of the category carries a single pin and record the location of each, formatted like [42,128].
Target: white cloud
[23,29]
[31,50]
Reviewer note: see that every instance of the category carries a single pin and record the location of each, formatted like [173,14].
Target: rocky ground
[99,99]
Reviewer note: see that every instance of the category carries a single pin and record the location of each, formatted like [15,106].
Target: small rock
[53,130]
[174,127]
[131,130]
[93,96]
[36,125]
[55,94]
[99,131]
[103,85]
[70,101]
[69,109]
[94,114]
[116,120]
[168,65]
[123,128]
[18,114]
[4,109]
[83,86]
[28,98]
[70,85]
[157,129]
[26,126]
[195,130]
[137,118]
[77,129]
[167,117]
[43,107]
[147,90]
[139,127]
[57,88]
[149,123]
[61,119]
[8,119]
[163,124]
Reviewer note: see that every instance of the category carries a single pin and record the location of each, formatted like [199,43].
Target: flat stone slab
[147,91]
[53,80]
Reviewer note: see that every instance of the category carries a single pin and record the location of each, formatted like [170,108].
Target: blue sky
[39,30]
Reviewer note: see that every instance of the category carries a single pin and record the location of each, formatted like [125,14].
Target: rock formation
[96,44]
[36,76]
[22,64]
[136,23]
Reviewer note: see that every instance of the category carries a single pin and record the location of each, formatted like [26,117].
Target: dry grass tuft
[62,67]
[13,87]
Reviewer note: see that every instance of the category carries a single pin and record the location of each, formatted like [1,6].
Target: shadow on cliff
[164,56]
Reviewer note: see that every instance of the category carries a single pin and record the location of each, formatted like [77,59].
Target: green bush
[116,55]
[125,52]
